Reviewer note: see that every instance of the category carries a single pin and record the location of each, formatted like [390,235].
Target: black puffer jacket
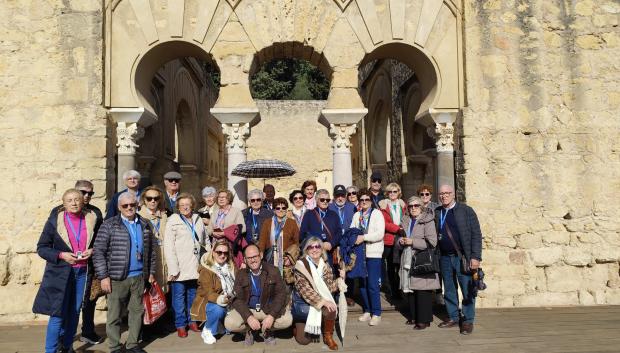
[112,249]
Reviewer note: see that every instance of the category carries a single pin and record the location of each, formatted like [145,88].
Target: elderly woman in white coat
[420,231]
[372,223]
[184,242]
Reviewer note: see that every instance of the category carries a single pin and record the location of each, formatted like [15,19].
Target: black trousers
[421,306]
[389,271]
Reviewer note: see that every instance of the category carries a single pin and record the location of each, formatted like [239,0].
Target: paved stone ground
[574,329]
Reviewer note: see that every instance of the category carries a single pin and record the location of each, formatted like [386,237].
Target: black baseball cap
[340,190]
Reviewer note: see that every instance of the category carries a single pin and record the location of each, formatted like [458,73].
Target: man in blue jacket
[459,237]
[323,223]
[345,211]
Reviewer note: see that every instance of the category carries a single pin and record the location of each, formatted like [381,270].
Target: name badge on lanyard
[77,235]
[442,218]
[192,228]
[133,232]
[256,290]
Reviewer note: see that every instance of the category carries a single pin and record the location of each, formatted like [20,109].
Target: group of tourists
[275,264]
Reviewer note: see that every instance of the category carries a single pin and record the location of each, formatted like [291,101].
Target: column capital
[139,115]
[341,135]
[239,115]
[236,135]
[127,136]
[444,137]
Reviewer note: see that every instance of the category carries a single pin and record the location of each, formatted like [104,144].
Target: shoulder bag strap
[458,251]
[329,233]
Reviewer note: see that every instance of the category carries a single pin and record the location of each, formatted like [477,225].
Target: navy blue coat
[112,207]
[468,228]
[348,248]
[264,214]
[50,296]
[311,225]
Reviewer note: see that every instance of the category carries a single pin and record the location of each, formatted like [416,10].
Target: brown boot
[328,334]
[300,336]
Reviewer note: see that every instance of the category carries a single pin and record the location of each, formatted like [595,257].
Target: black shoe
[136,349]
[66,350]
[90,337]
[409,322]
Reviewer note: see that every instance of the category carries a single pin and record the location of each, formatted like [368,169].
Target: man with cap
[172,182]
[345,211]
[375,188]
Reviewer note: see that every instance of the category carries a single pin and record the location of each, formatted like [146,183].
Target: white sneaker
[376,320]
[207,336]
[365,317]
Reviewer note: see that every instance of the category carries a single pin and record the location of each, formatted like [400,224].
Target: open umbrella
[263,168]
[343,309]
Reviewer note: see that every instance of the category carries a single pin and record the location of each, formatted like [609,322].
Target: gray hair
[208,191]
[131,174]
[130,196]
[322,192]
[418,200]
[84,184]
[352,188]
[256,192]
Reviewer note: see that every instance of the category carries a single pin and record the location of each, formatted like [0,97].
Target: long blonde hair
[210,261]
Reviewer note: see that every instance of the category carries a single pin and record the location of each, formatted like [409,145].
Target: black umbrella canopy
[263,168]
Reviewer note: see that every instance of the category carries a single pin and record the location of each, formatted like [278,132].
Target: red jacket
[390,228]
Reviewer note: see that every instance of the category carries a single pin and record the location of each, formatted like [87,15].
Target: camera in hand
[204,214]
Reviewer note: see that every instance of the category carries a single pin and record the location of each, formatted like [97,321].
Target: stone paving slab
[571,329]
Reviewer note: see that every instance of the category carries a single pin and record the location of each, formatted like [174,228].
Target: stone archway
[424,34]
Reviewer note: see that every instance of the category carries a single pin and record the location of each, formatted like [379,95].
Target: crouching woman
[315,283]
[215,289]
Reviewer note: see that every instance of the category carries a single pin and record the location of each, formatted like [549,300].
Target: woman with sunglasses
[277,234]
[393,209]
[372,223]
[315,308]
[352,196]
[298,207]
[420,231]
[183,243]
[152,209]
[425,192]
[215,289]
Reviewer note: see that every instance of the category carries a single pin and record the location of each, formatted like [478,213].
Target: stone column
[341,124]
[444,141]
[341,135]
[130,124]
[236,126]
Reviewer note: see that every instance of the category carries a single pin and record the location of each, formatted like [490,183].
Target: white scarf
[313,322]
[226,277]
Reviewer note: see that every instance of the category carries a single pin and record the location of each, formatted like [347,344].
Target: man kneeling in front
[260,301]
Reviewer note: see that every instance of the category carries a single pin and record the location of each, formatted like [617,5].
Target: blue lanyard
[442,218]
[341,215]
[256,289]
[411,228]
[156,226]
[322,214]
[133,232]
[254,222]
[364,219]
[77,235]
[172,203]
[190,226]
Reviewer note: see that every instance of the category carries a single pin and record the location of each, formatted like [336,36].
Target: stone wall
[541,139]
[53,129]
[290,131]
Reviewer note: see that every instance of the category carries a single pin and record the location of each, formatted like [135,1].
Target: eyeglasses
[364,199]
[298,198]
[314,247]
[127,205]
[325,200]
[376,181]
[152,198]
[221,253]
[425,194]
[414,206]
[445,193]
[87,193]
[173,180]
[256,200]
[352,193]
[393,192]
[253,257]
[280,208]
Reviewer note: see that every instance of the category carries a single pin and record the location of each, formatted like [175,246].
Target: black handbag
[425,262]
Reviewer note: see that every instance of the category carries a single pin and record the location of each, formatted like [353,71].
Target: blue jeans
[370,287]
[215,316]
[183,294]
[451,273]
[66,324]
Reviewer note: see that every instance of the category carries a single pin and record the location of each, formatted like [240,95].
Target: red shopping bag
[154,302]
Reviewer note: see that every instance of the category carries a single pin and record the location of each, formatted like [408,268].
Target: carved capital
[127,136]
[341,135]
[236,135]
[444,137]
